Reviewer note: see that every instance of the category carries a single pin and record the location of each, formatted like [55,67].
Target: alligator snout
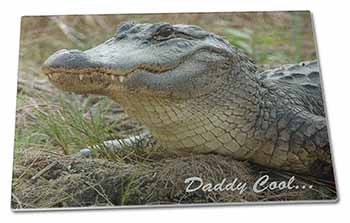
[69,59]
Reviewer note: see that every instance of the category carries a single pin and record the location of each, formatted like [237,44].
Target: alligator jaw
[108,73]
[105,75]
[95,80]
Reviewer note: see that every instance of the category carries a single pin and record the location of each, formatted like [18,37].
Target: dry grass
[96,182]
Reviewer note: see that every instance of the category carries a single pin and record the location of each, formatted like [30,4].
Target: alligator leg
[307,143]
[311,143]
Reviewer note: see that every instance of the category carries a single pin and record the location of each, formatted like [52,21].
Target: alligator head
[160,59]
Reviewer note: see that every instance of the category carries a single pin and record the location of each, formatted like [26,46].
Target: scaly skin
[197,93]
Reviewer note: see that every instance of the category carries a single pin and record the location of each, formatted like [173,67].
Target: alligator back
[306,74]
[302,80]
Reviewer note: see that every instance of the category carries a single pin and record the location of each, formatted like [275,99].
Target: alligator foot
[114,145]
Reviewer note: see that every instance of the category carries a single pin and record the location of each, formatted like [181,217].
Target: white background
[332,29]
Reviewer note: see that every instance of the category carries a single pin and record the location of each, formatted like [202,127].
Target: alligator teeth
[121,79]
[112,77]
[81,77]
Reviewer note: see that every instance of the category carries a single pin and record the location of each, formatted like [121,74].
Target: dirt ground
[86,182]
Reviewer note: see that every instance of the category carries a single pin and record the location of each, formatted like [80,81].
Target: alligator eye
[164,33]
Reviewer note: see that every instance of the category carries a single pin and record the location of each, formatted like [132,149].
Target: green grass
[71,122]
[74,125]
[257,44]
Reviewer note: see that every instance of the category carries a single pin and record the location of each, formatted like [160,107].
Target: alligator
[196,93]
